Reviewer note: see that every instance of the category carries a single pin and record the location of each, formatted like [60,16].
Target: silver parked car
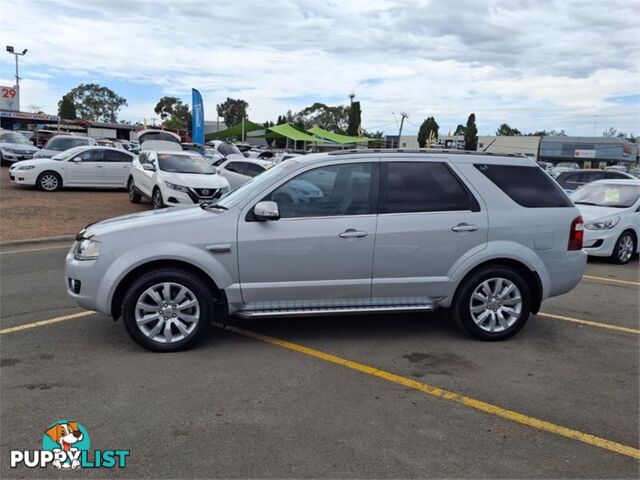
[371,231]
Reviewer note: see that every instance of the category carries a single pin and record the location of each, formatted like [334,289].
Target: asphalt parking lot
[291,405]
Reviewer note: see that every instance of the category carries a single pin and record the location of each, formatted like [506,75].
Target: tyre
[625,248]
[156,199]
[493,303]
[49,182]
[167,310]
[134,196]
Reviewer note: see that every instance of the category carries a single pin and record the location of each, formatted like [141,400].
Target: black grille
[206,192]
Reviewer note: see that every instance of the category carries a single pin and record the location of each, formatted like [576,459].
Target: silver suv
[353,231]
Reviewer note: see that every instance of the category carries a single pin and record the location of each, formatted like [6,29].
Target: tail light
[576,234]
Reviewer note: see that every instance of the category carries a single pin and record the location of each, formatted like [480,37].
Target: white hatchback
[174,178]
[97,167]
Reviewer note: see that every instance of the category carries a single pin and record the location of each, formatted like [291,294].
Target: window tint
[65,143]
[326,191]
[422,187]
[252,169]
[235,167]
[142,157]
[228,149]
[92,156]
[112,156]
[527,186]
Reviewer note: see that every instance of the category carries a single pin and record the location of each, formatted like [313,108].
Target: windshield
[65,143]
[67,154]
[254,185]
[607,195]
[12,137]
[228,149]
[184,164]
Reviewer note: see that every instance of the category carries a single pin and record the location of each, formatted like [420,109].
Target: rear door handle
[352,233]
[465,227]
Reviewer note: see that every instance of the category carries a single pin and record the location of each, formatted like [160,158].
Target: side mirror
[76,159]
[264,211]
[148,167]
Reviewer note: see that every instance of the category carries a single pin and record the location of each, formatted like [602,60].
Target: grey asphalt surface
[238,407]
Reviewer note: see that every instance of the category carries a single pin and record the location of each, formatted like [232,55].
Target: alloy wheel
[167,312]
[157,200]
[49,182]
[625,248]
[495,305]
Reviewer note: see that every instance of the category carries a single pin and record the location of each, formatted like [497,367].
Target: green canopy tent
[235,131]
[290,132]
[336,137]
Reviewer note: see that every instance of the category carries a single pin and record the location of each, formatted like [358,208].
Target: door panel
[116,167]
[88,171]
[321,251]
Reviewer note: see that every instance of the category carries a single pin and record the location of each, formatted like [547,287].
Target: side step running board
[298,312]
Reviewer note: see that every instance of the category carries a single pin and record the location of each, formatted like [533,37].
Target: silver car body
[370,261]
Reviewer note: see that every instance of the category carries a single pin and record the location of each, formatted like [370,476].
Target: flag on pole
[198,117]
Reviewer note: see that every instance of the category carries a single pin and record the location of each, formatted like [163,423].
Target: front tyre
[167,310]
[494,303]
[624,249]
[49,182]
[156,199]
[134,196]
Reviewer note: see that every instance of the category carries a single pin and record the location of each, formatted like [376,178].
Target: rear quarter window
[528,186]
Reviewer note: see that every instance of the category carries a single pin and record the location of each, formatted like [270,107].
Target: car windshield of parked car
[67,154]
[12,137]
[228,149]
[65,143]
[607,195]
[254,185]
[184,164]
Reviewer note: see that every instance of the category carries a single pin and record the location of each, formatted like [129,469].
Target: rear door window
[528,186]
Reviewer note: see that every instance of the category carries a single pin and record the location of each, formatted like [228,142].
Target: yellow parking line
[590,323]
[447,395]
[612,280]
[42,323]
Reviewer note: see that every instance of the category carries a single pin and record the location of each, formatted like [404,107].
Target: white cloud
[535,65]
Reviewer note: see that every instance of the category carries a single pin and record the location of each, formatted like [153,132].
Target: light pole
[13,52]
[403,115]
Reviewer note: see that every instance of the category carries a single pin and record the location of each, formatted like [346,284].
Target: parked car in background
[564,167]
[170,274]
[572,180]
[172,178]
[226,149]
[110,142]
[240,170]
[635,171]
[14,146]
[611,213]
[60,143]
[617,168]
[84,166]
[547,167]
[41,137]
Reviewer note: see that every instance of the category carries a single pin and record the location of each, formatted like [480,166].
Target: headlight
[87,249]
[602,224]
[179,188]
[26,167]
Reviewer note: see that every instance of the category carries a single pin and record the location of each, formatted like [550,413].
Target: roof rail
[423,151]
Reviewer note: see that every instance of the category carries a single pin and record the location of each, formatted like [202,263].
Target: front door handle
[352,233]
[465,227]
[98,166]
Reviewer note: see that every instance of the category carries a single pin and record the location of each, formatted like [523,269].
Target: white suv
[172,178]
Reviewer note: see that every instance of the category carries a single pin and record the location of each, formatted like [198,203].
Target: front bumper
[82,281]
[23,177]
[16,157]
[600,243]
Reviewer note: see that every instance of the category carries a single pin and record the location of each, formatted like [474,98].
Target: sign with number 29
[9,98]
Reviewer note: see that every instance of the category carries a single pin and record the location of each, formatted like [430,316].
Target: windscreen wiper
[212,205]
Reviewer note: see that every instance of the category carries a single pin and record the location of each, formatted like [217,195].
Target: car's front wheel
[134,196]
[49,182]
[493,303]
[167,310]
[156,199]
[624,249]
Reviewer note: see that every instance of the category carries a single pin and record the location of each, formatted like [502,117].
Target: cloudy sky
[536,65]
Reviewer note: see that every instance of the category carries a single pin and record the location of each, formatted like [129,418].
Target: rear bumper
[567,273]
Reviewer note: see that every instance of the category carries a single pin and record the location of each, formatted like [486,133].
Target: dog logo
[67,440]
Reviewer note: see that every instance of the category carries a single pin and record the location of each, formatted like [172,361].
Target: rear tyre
[625,249]
[493,303]
[134,196]
[167,310]
[49,182]
[156,199]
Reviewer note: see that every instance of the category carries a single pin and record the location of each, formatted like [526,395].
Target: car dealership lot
[238,406]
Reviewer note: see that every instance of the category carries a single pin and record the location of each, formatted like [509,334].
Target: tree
[459,130]
[96,103]
[506,131]
[428,129]
[173,113]
[232,110]
[66,108]
[354,120]
[334,119]
[610,132]
[471,133]
[550,133]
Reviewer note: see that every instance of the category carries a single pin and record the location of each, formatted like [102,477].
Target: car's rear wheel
[493,303]
[49,182]
[167,310]
[624,249]
[134,196]
[156,199]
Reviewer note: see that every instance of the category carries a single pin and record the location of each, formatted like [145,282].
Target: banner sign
[577,153]
[197,115]
[9,98]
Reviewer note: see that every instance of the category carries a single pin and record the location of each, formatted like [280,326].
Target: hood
[46,152]
[145,220]
[592,212]
[18,146]
[36,162]
[196,180]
